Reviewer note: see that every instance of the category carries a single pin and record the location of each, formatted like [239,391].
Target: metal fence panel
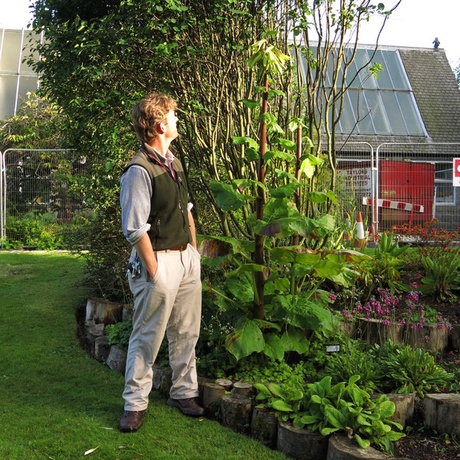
[415,186]
[392,186]
[356,179]
[40,186]
[400,185]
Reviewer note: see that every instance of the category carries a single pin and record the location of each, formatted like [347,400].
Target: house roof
[435,94]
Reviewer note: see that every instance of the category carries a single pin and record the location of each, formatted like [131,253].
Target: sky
[415,23]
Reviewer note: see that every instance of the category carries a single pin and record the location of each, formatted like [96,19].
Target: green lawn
[56,402]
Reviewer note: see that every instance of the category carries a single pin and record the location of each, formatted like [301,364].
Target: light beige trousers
[169,303]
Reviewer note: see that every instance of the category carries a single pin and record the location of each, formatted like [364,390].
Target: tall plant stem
[259,312]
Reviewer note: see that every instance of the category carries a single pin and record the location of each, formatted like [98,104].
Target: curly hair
[149,112]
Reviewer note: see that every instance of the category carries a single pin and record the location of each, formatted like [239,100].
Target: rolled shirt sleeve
[135,193]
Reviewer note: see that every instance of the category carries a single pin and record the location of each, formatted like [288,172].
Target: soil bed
[422,444]
[426,445]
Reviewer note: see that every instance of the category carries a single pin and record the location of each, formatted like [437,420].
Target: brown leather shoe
[131,421]
[187,406]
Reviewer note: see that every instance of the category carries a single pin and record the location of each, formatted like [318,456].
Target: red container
[407,186]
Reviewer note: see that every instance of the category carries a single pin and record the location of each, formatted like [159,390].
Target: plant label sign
[456,175]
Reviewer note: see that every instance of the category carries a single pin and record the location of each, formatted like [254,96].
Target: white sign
[456,174]
[356,180]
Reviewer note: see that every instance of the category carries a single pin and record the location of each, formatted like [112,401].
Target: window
[445,193]
[378,106]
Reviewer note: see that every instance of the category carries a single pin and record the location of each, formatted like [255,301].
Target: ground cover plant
[56,402]
[386,295]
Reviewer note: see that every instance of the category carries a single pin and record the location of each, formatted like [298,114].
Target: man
[164,267]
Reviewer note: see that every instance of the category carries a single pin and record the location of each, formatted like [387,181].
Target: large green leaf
[245,340]
[363,443]
[284,190]
[387,409]
[302,313]
[295,340]
[241,287]
[273,347]
[294,255]
[282,406]
[226,197]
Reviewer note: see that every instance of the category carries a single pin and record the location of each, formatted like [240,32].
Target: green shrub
[353,360]
[33,229]
[328,408]
[442,275]
[118,334]
[409,370]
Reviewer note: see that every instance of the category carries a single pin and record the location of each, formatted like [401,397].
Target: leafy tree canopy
[99,59]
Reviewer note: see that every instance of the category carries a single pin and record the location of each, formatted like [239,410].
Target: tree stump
[212,397]
[157,377]
[430,337]
[236,412]
[93,332]
[404,408]
[101,348]
[441,412]
[455,335]
[342,448]
[346,328]
[117,359]
[375,331]
[243,388]
[264,426]
[103,311]
[300,443]
[227,384]
[166,381]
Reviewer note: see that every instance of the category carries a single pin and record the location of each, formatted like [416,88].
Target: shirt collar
[169,155]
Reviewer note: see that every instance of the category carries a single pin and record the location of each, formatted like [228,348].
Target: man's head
[151,115]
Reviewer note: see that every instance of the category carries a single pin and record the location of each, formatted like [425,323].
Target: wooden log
[117,359]
[166,381]
[202,381]
[157,377]
[346,328]
[342,448]
[430,337]
[300,443]
[93,332]
[243,388]
[264,426]
[212,397]
[236,412]
[441,412]
[404,408]
[226,383]
[101,348]
[455,336]
[375,331]
[103,311]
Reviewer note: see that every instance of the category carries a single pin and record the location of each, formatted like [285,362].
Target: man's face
[171,125]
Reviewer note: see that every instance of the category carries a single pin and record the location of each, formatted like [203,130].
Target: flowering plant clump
[417,316]
[380,306]
[428,233]
[386,306]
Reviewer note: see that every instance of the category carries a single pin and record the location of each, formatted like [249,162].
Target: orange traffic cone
[359,241]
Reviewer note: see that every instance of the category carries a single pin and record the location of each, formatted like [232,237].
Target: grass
[56,402]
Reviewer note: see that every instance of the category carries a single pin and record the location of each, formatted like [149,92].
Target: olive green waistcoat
[168,211]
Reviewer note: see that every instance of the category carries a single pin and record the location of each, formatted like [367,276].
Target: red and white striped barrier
[399,205]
